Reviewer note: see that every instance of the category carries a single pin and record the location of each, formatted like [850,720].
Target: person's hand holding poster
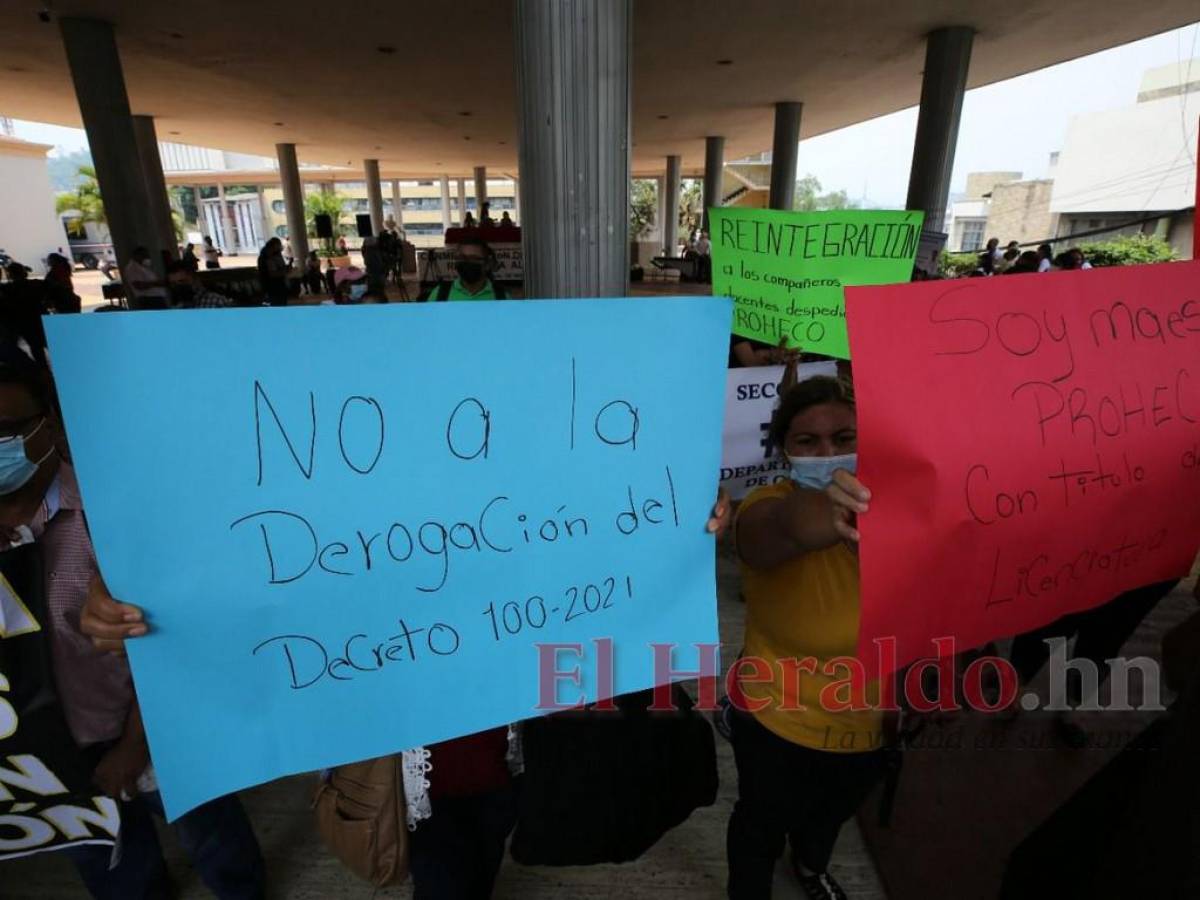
[1032,445]
[785,270]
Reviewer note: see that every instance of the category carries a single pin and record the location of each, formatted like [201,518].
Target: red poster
[1032,443]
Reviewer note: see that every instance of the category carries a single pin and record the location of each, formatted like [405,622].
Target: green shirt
[458,291]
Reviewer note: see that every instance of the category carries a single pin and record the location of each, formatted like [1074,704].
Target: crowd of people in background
[283,279]
[1012,260]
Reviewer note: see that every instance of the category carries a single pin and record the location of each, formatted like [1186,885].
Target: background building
[236,198]
[1121,171]
[1000,205]
[1134,169]
[29,227]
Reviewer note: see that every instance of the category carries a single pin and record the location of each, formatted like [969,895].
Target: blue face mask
[357,291]
[15,467]
[816,472]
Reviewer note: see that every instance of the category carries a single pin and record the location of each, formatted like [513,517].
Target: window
[281,231]
[428,228]
[428,204]
[972,235]
[278,207]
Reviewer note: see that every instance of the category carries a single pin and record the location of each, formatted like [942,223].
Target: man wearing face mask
[40,511]
[804,765]
[473,281]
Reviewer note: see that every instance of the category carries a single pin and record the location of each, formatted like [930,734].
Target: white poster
[750,398]
[510,264]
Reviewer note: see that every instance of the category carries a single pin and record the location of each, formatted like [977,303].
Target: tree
[643,207]
[691,211]
[809,196]
[85,199]
[323,203]
[183,201]
[957,265]
[1129,250]
[64,169]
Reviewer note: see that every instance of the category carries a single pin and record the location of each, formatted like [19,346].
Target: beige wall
[29,226]
[979,183]
[1020,211]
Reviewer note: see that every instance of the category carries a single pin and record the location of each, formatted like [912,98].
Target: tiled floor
[687,863]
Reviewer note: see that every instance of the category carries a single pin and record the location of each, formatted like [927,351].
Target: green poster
[785,270]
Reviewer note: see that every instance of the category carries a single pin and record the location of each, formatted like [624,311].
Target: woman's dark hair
[17,368]
[474,240]
[808,393]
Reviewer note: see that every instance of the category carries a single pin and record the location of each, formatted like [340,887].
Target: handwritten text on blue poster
[350,527]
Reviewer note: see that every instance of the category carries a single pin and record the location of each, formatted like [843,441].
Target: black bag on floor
[603,787]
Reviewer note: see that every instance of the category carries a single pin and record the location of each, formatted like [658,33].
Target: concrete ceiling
[428,88]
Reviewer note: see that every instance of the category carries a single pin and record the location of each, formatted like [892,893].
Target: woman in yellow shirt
[807,741]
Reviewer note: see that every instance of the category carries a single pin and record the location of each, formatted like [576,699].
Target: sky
[1012,125]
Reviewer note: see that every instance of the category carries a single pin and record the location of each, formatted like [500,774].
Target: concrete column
[91,49]
[714,173]
[225,215]
[293,199]
[670,229]
[947,58]
[446,222]
[784,152]
[573,65]
[516,213]
[374,194]
[462,201]
[660,215]
[480,187]
[156,185]
[397,210]
[265,208]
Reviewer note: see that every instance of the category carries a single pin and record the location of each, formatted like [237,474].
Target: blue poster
[352,527]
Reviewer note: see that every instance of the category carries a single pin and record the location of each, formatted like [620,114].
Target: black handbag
[603,787]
